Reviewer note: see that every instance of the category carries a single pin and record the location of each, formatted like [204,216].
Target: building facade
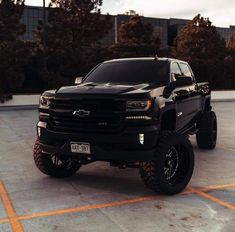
[166,29]
[226,33]
[174,27]
[31,16]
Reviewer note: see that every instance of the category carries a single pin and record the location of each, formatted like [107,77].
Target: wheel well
[168,120]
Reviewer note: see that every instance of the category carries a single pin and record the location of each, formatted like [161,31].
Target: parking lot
[102,198]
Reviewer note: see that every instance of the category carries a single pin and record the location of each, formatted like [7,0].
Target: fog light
[39,131]
[141,138]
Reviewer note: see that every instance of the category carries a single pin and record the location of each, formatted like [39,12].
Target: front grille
[106,115]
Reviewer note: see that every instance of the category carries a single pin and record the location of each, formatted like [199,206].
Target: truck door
[187,98]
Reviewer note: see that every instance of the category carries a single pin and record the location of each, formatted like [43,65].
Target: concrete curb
[223,100]
[18,107]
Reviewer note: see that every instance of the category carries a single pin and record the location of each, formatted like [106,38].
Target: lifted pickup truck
[135,112]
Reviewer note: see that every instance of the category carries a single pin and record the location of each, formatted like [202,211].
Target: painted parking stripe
[214,199]
[11,213]
[189,190]
[89,207]
[81,209]
[217,187]
[105,205]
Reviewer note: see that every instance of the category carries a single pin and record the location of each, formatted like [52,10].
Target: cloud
[221,12]
[36,2]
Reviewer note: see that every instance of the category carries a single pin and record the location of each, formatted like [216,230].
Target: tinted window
[175,70]
[185,70]
[144,71]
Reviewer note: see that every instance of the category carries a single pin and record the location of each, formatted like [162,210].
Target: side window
[186,70]
[175,71]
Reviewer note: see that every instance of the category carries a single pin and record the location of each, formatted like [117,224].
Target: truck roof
[144,59]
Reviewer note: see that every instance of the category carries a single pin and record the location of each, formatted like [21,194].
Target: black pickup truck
[136,112]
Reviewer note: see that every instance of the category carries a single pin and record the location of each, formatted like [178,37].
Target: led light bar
[138,118]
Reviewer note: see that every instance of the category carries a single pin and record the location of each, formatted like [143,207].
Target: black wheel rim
[171,164]
[177,158]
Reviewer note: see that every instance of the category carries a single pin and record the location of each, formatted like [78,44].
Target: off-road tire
[207,130]
[153,172]
[45,164]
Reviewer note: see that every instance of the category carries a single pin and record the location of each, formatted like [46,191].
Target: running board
[189,130]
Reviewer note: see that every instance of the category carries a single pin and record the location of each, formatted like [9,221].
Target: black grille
[106,115]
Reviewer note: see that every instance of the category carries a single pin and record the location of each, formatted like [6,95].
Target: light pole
[116,29]
[44,25]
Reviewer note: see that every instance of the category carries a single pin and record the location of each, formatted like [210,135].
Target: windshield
[134,71]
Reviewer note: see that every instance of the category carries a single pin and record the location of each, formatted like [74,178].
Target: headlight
[138,105]
[44,101]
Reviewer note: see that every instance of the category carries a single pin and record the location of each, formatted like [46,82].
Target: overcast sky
[220,12]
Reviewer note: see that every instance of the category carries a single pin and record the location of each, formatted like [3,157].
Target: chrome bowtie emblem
[81,113]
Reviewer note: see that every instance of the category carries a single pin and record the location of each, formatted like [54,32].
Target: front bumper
[125,146]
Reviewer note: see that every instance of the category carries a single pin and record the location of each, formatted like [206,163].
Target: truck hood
[103,89]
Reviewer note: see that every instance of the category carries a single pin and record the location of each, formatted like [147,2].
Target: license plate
[83,148]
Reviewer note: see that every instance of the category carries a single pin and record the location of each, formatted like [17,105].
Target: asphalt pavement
[101,198]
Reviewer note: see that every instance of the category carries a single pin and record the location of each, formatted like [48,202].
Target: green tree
[12,51]
[200,44]
[136,39]
[72,38]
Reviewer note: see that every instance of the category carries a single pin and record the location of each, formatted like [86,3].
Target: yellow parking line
[214,199]
[218,187]
[12,216]
[189,190]
[4,220]
[90,207]
[87,208]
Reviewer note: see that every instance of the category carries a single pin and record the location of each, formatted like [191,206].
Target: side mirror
[78,80]
[180,82]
